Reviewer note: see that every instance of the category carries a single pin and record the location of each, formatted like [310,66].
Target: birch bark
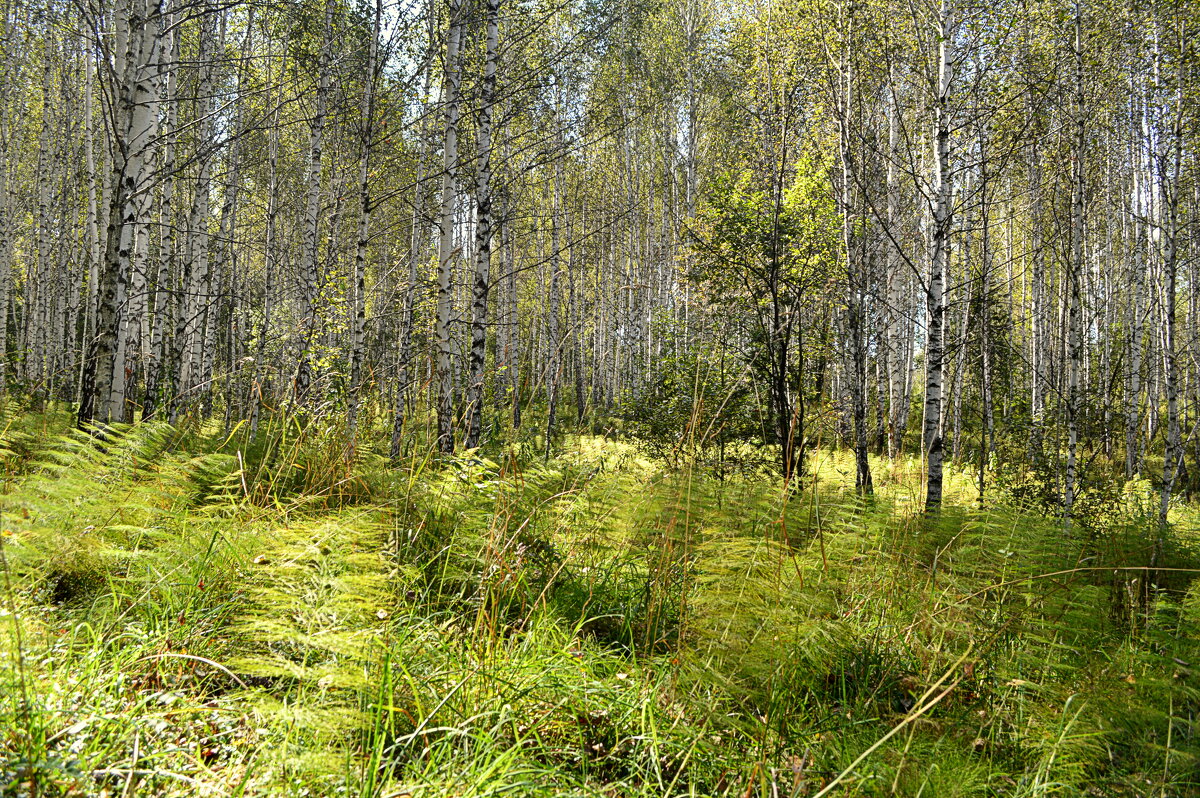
[935,300]
[446,250]
[307,307]
[1075,276]
[358,314]
[483,229]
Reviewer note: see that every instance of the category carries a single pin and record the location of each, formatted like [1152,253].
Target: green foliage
[699,410]
[765,250]
[750,240]
[177,619]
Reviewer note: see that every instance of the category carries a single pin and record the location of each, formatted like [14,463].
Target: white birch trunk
[269,256]
[483,229]
[102,397]
[307,307]
[1169,166]
[196,302]
[358,313]
[935,300]
[165,296]
[1075,279]
[446,251]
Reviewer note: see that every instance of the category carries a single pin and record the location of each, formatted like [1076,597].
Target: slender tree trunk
[483,229]
[6,219]
[129,179]
[854,245]
[895,309]
[165,296]
[39,295]
[553,334]
[270,255]
[959,375]
[358,314]
[935,300]
[302,383]
[1040,311]
[1135,312]
[1169,166]
[446,251]
[1075,278]
[514,338]
[405,371]
[985,320]
[197,299]
[575,317]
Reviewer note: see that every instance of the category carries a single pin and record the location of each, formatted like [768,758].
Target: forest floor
[190,612]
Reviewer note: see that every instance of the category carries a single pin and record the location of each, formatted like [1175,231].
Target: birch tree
[307,306]
[484,218]
[134,74]
[358,312]
[446,249]
[935,298]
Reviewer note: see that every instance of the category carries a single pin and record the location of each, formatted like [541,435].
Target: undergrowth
[199,611]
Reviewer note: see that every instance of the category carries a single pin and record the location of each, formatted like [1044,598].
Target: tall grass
[195,611]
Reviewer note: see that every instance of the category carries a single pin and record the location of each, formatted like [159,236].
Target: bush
[699,410]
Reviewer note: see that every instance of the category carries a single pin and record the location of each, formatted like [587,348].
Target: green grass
[192,612]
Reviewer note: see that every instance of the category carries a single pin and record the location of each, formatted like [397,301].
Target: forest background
[579,316]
